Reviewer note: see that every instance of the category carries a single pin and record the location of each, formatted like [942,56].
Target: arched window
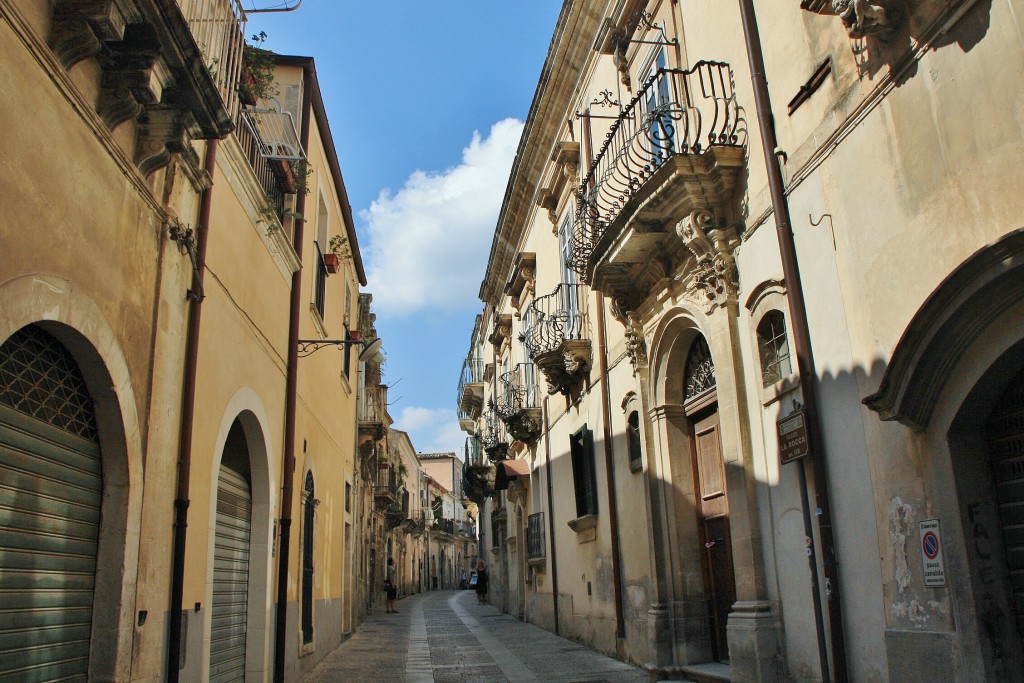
[773,348]
[700,370]
[633,432]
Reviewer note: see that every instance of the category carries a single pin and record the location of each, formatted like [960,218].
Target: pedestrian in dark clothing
[481,582]
[391,586]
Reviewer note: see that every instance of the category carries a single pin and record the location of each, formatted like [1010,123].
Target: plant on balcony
[257,71]
[338,250]
[270,217]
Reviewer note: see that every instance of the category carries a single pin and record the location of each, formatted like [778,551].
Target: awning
[509,470]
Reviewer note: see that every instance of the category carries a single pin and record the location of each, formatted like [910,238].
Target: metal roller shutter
[50,493]
[230,578]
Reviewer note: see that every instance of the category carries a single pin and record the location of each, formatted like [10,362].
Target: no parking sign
[931,554]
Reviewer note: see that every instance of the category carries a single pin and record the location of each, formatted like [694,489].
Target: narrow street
[445,636]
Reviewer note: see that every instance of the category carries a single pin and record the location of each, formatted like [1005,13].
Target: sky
[426,103]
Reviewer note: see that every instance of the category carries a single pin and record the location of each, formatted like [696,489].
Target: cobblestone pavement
[444,637]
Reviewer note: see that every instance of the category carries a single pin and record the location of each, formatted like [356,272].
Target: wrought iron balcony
[218,27]
[444,525]
[472,452]
[517,403]
[477,474]
[373,411]
[471,390]
[557,335]
[676,148]
[493,439]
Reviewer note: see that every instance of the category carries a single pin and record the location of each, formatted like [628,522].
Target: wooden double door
[713,524]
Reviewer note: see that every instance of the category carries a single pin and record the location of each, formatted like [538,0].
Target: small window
[633,432]
[581,447]
[773,348]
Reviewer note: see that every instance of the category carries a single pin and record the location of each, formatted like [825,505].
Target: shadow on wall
[916,22]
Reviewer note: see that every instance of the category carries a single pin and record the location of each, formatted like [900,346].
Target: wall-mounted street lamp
[371,351]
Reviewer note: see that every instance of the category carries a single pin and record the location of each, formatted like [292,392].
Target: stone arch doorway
[700,492]
[52,478]
[231,565]
[241,447]
[987,456]
[64,471]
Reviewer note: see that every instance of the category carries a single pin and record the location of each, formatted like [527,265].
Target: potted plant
[257,81]
[332,259]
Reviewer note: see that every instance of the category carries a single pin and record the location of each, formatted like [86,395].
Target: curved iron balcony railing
[676,113]
[554,318]
[494,439]
[473,451]
[518,390]
[471,388]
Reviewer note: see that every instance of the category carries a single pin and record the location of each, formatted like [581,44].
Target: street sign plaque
[931,554]
[793,443]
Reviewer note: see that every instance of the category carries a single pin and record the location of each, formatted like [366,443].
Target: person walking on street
[481,582]
[391,586]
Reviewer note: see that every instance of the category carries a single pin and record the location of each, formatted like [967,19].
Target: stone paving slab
[445,637]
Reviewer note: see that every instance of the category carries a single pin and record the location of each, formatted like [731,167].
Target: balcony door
[570,281]
[660,111]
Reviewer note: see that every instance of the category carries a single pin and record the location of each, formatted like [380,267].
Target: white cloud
[431,430]
[428,242]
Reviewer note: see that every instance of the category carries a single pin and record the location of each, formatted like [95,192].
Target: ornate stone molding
[562,175]
[501,331]
[149,66]
[520,286]
[861,18]
[636,347]
[714,278]
[524,424]
[565,366]
[163,132]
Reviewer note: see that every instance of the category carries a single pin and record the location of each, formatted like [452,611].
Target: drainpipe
[802,350]
[609,462]
[291,400]
[551,515]
[188,401]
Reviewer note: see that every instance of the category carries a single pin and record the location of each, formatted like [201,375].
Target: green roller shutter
[230,578]
[50,492]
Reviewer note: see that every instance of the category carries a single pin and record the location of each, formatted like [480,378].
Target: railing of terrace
[556,317]
[518,390]
[218,27]
[676,112]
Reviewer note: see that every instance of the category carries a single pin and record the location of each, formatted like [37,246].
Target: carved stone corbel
[622,310]
[163,132]
[502,330]
[861,18]
[564,366]
[714,278]
[525,425]
[73,40]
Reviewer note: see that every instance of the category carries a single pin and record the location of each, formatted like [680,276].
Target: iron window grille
[773,347]
[535,536]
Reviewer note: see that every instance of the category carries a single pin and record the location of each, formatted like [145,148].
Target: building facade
[177,453]
[653,356]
